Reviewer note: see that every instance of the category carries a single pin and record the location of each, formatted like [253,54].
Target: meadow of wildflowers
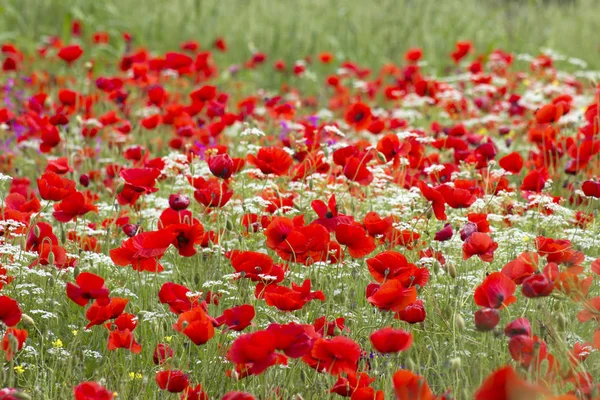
[198,223]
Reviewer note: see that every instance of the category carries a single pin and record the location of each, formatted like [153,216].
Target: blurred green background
[368,32]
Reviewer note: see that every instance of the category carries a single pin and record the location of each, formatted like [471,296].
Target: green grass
[370,33]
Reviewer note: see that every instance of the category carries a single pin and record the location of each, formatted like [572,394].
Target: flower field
[171,229]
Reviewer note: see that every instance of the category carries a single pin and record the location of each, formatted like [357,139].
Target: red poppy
[550,113]
[92,391]
[512,162]
[535,180]
[188,231]
[72,206]
[505,384]
[10,312]
[295,340]
[326,328]
[456,197]
[254,352]
[409,386]
[437,199]
[162,352]
[392,265]
[356,240]
[522,267]
[392,295]
[53,187]
[177,297]
[329,216]
[99,313]
[358,115]
[138,181]
[196,325]
[221,166]
[486,319]
[255,266]
[123,340]
[537,285]
[174,381]
[356,170]
[237,318]
[71,53]
[527,349]
[143,250]
[335,356]
[413,313]
[212,192]
[591,188]
[89,286]
[272,160]
[294,242]
[16,336]
[462,49]
[444,234]
[496,291]
[390,340]
[481,245]
[286,299]
[519,326]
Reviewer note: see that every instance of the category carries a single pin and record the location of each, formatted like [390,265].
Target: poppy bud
[561,321]
[179,202]
[221,166]
[130,229]
[460,321]
[51,259]
[410,364]
[381,157]
[161,353]
[120,188]
[455,363]
[444,234]
[20,396]
[36,230]
[486,319]
[537,285]
[84,180]
[27,320]
[469,229]
[76,271]
[451,270]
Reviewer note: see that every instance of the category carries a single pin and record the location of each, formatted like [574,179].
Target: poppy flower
[99,312]
[462,49]
[286,299]
[358,116]
[92,391]
[512,162]
[235,395]
[221,166]
[444,234]
[162,352]
[237,318]
[173,381]
[16,336]
[71,53]
[254,266]
[413,313]
[356,240]
[519,326]
[196,325]
[390,340]
[456,197]
[188,231]
[53,187]
[481,245]
[123,340]
[329,216]
[89,286]
[505,384]
[392,265]
[496,291]
[591,188]
[537,285]
[272,160]
[549,113]
[143,250]
[254,351]
[392,295]
[535,180]
[294,340]
[177,297]
[10,312]
[409,386]
[297,243]
[522,267]
[72,206]
[527,349]
[486,319]
[356,170]
[213,193]
[337,355]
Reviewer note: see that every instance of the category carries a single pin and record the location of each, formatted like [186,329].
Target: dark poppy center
[359,116]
